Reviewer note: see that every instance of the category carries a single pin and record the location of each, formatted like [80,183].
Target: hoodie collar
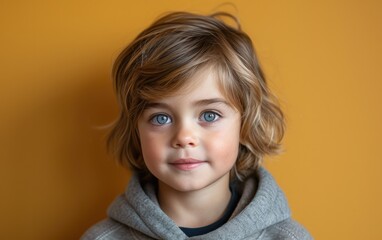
[261,205]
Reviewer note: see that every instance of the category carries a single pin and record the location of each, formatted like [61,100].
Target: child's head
[163,60]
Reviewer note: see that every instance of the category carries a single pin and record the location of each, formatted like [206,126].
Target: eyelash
[157,122]
[154,119]
[216,116]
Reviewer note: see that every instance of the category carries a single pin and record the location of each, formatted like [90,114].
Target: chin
[187,188]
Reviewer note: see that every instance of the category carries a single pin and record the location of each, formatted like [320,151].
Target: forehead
[205,93]
[206,80]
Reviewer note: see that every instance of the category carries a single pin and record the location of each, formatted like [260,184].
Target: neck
[195,208]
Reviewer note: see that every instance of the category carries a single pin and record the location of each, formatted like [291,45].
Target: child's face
[191,140]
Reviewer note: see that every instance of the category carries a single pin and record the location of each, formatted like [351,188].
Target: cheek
[225,145]
[149,145]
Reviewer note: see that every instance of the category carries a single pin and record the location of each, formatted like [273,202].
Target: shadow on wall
[61,179]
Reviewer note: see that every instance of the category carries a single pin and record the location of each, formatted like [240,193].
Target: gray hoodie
[262,213]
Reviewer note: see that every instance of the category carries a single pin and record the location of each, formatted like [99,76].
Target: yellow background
[323,59]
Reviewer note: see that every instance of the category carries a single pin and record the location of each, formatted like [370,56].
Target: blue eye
[160,119]
[209,116]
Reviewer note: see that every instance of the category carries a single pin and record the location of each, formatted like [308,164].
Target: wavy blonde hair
[163,58]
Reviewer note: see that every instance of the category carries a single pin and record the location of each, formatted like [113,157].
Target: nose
[185,136]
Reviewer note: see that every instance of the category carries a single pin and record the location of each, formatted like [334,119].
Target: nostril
[185,142]
[185,135]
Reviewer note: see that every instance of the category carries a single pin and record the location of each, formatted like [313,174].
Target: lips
[186,164]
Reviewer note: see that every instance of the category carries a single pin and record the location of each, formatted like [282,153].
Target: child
[196,120]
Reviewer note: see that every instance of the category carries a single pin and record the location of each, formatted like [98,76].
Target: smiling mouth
[187,164]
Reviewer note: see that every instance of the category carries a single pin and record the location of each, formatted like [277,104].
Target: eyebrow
[202,102]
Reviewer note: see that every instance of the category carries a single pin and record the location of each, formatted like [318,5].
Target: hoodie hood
[262,204]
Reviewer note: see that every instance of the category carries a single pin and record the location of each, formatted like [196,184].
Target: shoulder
[109,229]
[102,230]
[287,229]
